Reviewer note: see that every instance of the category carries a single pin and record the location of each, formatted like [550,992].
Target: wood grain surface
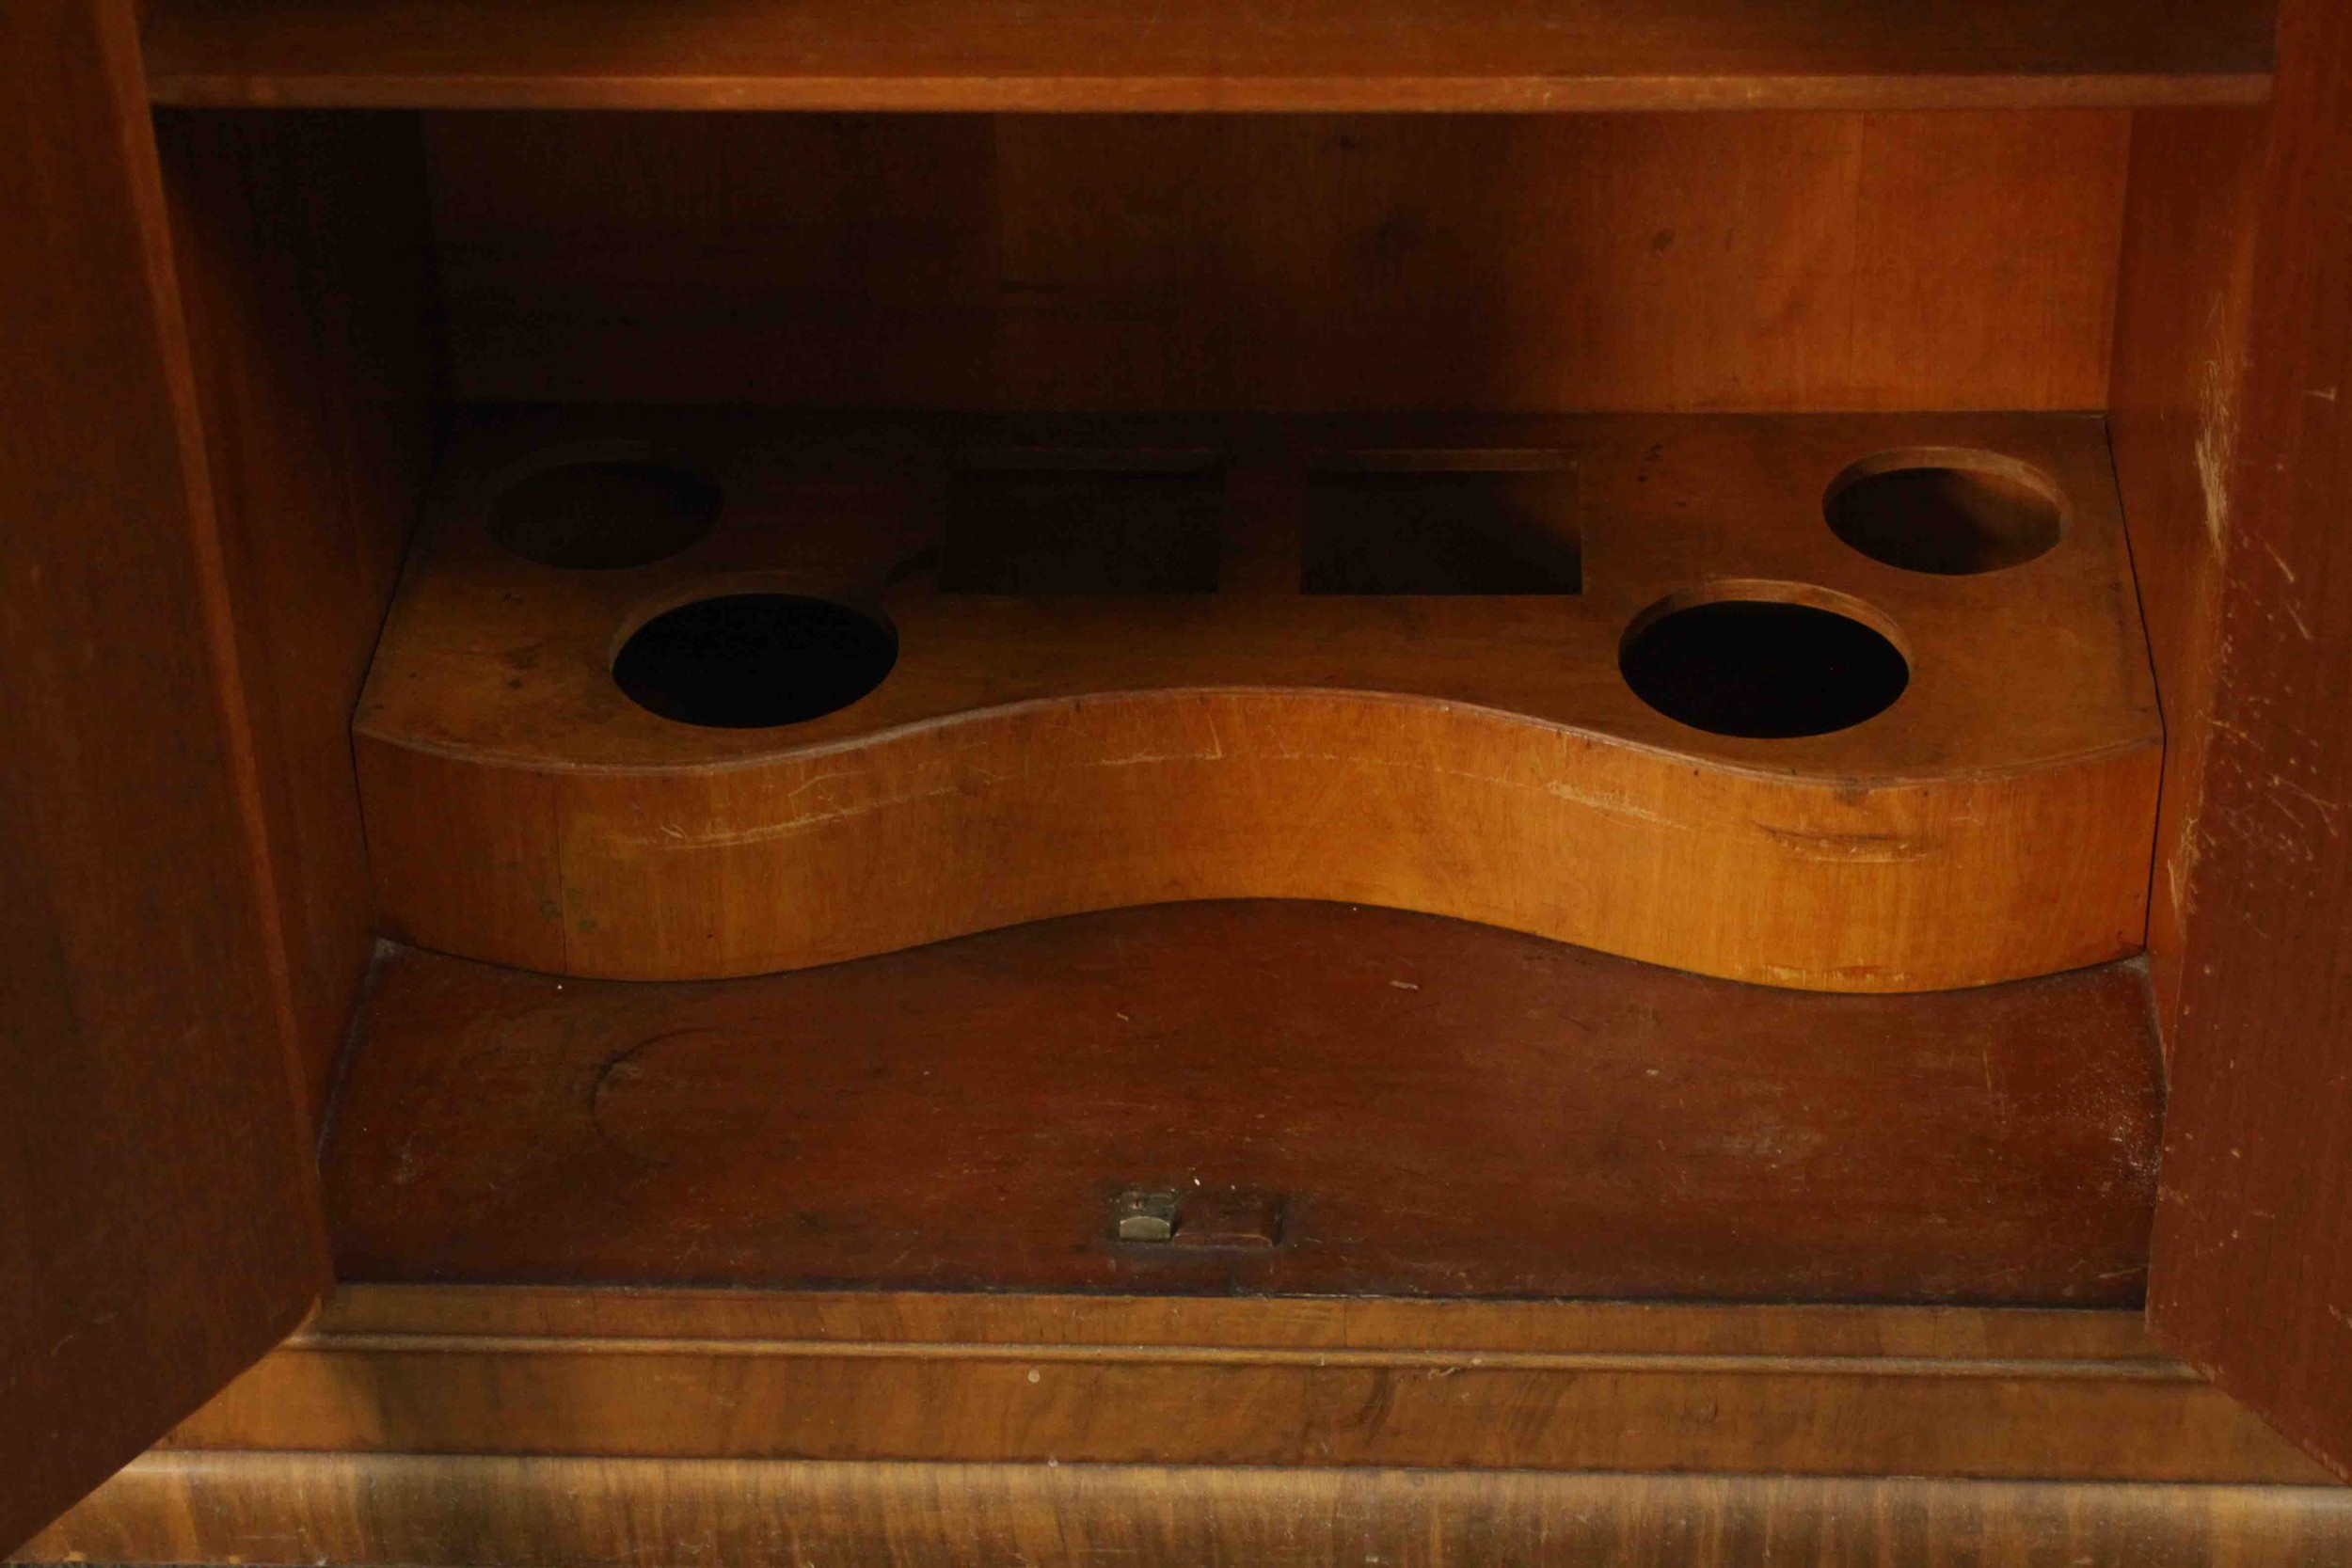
[1283,263]
[300,249]
[1429,1107]
[160,1225]
[527,1512]
[2253,1262]
[1087,1380]
[2180,360]
[1482,757]
[1463,54]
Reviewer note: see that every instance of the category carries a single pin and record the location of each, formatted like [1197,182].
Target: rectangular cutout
[1053,522]
[1443,523]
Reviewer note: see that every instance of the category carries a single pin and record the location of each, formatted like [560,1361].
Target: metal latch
[1196,1217]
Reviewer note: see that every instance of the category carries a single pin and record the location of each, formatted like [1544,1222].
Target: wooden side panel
[305,271]
[161,1225]
[2180,360]
[2253,1262]
[1153,264]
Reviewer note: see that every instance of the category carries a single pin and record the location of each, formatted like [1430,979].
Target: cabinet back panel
[1284,263]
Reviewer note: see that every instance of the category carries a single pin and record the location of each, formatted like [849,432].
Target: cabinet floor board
[1339,1101]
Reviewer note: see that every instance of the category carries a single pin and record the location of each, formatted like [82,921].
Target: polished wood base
[1885,1392]
[536,1512]
[526,1428]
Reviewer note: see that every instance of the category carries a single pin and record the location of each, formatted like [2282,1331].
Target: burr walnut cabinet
[1382,780]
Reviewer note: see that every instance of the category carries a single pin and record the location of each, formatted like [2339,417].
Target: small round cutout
[746,661]
[1952,513]
[604,515]
[1761,668]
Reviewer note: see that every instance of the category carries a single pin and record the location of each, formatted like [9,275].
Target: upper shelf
[1207,55]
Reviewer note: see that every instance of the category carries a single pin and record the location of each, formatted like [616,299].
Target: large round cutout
[604,515]
[1761,668]
[744,661]
[1953,514]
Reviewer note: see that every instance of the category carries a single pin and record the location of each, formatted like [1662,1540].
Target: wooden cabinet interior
[1075,284]
[1994,225]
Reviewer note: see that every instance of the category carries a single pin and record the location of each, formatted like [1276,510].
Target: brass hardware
[1206,1218]
[1144,1216]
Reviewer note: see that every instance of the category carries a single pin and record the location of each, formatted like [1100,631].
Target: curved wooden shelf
[1042,754]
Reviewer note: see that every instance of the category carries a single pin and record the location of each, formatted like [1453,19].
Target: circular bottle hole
[604,515]
[743,662]
[1759,668]
[1949,512]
